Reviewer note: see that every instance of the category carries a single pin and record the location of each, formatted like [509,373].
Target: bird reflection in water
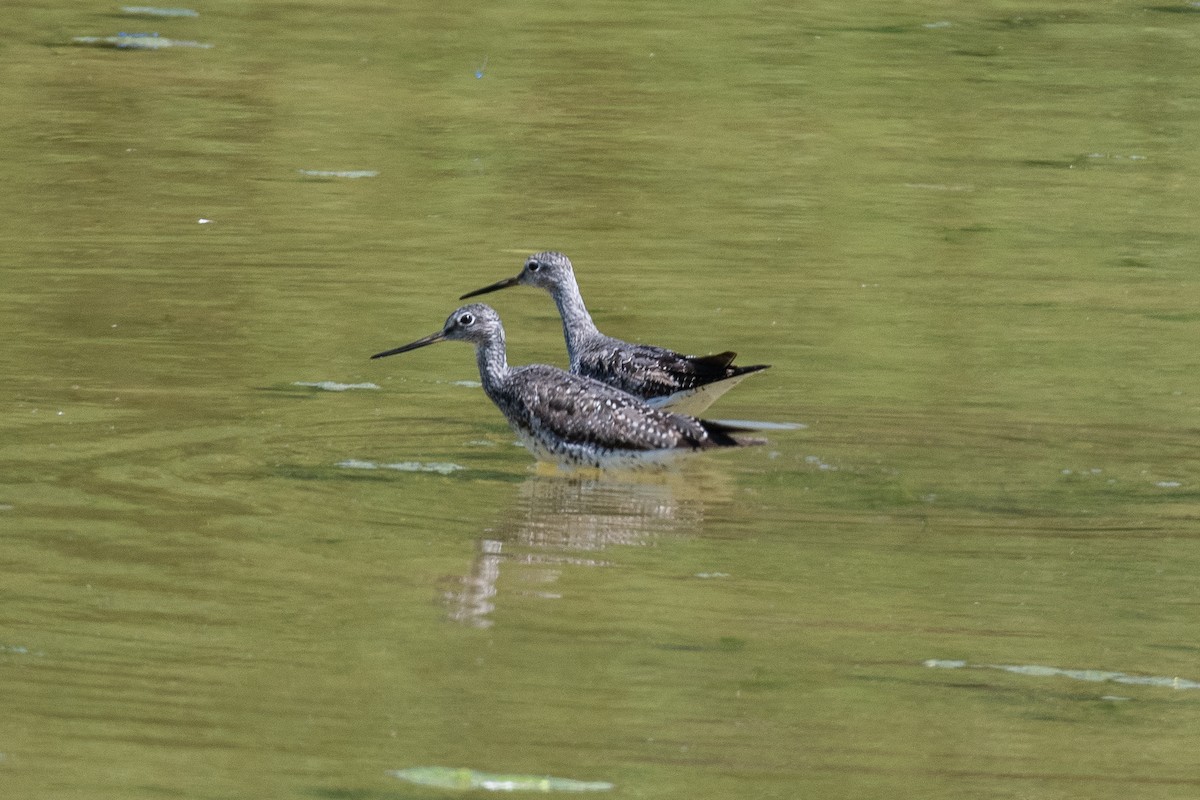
[559,521]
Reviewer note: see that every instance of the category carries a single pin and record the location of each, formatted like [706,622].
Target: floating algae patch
[1090,675]
[137,41]
[155,11]
[19,650]
[464,779]
[440,467]
[334,386]
[339,173]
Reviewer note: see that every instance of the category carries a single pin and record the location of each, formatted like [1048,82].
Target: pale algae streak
[138,41]
[463,778]
[1090,675]
[155,11]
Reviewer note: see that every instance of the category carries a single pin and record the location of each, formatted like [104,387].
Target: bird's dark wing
[648,371]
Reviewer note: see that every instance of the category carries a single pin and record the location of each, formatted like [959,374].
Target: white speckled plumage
[661,377]
[572,419]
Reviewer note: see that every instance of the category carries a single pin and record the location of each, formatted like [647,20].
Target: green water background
[965,235]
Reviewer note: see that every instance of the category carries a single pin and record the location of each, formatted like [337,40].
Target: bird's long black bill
[404,348]
[504,284]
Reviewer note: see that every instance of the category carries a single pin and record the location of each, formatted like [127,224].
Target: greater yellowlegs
[661,377]
[572,419]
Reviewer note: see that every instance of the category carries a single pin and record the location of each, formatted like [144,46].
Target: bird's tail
[721,434]
[737,369]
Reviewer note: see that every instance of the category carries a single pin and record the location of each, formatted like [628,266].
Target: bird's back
[576,419]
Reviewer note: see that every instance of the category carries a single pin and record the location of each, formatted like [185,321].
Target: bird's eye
[466,319]
[533,266]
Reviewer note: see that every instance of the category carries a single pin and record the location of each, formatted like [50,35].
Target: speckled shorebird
[572,419]
[661,377]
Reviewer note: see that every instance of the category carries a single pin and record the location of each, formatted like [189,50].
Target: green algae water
[241,560]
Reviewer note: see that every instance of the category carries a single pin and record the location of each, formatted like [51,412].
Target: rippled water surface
[242,560]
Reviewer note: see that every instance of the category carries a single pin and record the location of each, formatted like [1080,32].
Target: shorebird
[572,419]
[661,377]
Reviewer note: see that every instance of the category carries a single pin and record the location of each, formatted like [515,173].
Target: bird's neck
[577,322]
[493,363]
